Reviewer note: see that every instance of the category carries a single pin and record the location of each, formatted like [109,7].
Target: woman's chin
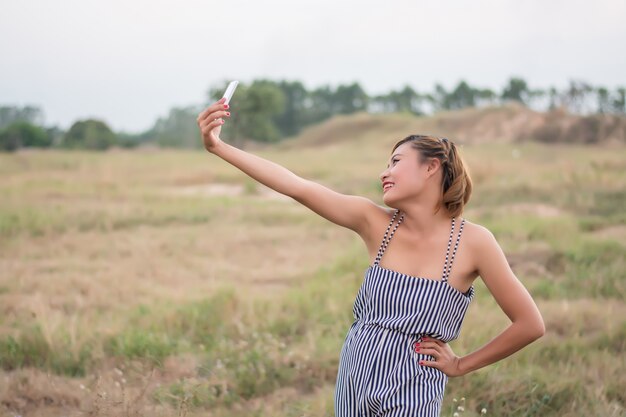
[388,200]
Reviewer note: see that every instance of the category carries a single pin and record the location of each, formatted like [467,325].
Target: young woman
[396,359]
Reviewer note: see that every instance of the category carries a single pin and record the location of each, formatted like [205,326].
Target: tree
[89,134]
[619,102]
[23,134]
[349,99]
[293,118]
[253,109]
[553,95]
[462,96]
[30,114]
[438,98]
[405,100]
[535,95]
[177,129]
[319,105]
[516,90]
[604,104]
[576,95]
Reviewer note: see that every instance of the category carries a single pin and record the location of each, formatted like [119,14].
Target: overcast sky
[128,62]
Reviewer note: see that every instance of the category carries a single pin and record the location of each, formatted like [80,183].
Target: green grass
[271,348]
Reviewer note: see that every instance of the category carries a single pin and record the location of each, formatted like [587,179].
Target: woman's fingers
[430,339]
[428,351]
[432,364]
[218,105]
[207,127]
[430,342]
[429,347]
[444,358]
[212,117]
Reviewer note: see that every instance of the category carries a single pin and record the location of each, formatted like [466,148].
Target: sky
[128,62]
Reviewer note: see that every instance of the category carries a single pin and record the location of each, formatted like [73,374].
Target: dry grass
[113,268]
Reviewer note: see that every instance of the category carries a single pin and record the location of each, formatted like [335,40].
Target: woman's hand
[445,360]
[210,122]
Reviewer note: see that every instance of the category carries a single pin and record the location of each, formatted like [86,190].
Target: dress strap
[447,268]
[387,237]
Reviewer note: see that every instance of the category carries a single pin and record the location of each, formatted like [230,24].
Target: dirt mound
[508,123]
[478,125]
[354,127]
[560,127]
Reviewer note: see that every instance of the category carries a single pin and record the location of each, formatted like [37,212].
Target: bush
[21,134]
[89,134]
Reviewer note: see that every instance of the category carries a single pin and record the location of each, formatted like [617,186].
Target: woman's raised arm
[349,211]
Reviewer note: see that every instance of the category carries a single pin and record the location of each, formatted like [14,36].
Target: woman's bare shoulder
[477,235]
[379,218]
[481,245]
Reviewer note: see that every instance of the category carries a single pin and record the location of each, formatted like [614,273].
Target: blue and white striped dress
[379,371]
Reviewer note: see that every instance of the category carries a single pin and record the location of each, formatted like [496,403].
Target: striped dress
[379,373]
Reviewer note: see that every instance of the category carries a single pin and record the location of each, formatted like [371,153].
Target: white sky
[129,61]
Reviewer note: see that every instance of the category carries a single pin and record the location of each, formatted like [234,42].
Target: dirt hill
[507,123]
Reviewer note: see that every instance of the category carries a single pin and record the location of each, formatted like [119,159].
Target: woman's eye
[393,161]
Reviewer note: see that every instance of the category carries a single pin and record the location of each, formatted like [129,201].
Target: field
[166,283]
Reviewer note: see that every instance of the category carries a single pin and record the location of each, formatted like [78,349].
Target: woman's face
[404,177]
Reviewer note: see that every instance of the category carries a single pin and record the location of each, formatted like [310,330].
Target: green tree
[319,105]
[23,134]
[253,111]
[535,95]
[293,118]
[604,103]
[462,96]
[438,98]
[554,98]
[55,135]
[485,97]
[89,134]
[405,100]
[516,90]
[29,114]
[576,95]
[178,129]
[619,102]
[349,99]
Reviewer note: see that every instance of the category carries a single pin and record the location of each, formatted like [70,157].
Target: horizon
[108,60]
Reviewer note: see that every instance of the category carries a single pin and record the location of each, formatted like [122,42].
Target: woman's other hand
[210,122]
[445,359]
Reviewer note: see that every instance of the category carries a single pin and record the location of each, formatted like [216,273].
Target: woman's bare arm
[511,295]
[349,211]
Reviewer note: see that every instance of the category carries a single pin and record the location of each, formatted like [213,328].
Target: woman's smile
[387,185]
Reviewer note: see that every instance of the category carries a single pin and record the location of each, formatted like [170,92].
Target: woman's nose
[384,174]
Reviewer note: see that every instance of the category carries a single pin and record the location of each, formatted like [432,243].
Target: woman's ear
[433,164]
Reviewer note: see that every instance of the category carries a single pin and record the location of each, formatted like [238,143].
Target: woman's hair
[456,184]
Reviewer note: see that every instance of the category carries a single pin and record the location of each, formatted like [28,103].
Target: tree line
[268,111]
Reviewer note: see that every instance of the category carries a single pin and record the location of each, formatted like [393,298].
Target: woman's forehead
[404,149]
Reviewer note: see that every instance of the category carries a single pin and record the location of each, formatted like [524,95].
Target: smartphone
[230,90]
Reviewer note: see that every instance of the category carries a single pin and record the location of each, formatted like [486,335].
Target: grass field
[166,283]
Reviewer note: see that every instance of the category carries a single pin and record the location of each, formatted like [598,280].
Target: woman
[396,359]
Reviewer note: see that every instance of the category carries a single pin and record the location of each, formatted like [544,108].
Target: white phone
[230,90]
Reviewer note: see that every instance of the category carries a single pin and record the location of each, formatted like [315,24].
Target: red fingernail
[227,113]
[421,362]
[226,106]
